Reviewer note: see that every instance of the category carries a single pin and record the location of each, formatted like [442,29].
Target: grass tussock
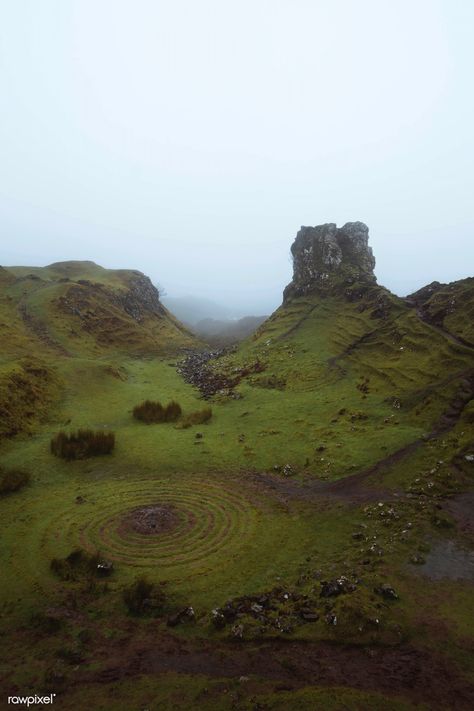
[153,412]
[12,480]
[199,417]
[172,411]
[82,444]
[143,597]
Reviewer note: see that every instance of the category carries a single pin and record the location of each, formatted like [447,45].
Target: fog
[191,140]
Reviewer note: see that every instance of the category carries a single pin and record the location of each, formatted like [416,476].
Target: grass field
[300,477]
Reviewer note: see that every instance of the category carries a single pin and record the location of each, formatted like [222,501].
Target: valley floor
[323,543]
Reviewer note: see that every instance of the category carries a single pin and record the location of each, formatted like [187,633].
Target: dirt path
[403,670]
[39,330]
[354,488]
[298,323]
[423,316]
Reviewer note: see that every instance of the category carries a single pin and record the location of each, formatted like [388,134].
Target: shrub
[82,444]
[149,412]
[154,412]
[46,623]
[143,597]
[12,480]
[79,564]
[172,411]
[199,417]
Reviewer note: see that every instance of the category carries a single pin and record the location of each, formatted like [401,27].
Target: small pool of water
[447,560]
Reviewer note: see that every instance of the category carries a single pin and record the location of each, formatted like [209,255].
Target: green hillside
[306,544]
[73,317]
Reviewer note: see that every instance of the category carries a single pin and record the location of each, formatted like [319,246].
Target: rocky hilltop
[326,258]
[79,306]
[138,297]
[448,306]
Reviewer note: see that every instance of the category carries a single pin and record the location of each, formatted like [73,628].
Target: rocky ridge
[138,299]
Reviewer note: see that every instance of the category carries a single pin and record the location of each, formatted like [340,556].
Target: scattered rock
[105,568]
[308,615]
[238,631]
[218,619]
[187,614]
[199,370]
[336,587]
[386,591]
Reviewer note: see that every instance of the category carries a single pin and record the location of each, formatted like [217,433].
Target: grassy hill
[310,542]
[74,317]
[78,308]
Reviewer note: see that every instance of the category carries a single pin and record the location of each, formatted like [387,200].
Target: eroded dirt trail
[398,671]
[38,329]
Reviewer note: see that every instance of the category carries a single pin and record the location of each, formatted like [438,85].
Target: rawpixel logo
[31,700]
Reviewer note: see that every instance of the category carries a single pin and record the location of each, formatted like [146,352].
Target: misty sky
[191,139]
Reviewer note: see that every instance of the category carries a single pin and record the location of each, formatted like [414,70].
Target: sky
[191,140]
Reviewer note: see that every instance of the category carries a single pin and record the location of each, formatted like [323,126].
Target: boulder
[386,591]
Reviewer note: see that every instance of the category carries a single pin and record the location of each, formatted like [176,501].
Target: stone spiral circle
[168,526]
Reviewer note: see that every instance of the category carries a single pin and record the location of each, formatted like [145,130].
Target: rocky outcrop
[141,297]
[138,299]
[328,258]
[447,307]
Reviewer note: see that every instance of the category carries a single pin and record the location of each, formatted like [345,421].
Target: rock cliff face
[326,258]
[141,297]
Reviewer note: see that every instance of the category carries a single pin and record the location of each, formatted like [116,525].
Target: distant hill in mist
[192,309]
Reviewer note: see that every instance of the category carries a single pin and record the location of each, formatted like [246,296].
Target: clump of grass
[172,411]
[82,444]
[153,412]
[12,480]
[142,597]
[80,564]
[149,412]
[199,417]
